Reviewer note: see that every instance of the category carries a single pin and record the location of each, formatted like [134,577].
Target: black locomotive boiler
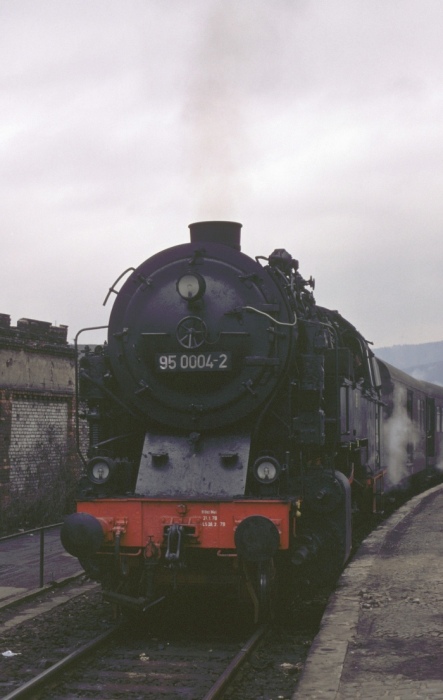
[235,428]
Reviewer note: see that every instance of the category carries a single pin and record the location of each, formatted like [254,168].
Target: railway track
[190,649]
[186,650]
[141,669]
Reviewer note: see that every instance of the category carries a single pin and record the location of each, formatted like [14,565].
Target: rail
[41,531]
[58,668]
[218,689]
[56,673]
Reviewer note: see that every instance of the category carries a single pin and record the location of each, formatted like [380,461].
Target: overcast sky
[318,124]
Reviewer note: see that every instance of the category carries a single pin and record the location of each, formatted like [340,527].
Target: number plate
[194,362]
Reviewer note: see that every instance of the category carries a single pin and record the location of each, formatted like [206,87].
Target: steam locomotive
[235,429]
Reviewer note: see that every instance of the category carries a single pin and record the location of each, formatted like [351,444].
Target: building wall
[37,410]
[39,439]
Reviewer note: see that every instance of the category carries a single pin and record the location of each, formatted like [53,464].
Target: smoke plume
[400,439]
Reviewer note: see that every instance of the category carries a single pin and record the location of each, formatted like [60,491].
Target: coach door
[430,431]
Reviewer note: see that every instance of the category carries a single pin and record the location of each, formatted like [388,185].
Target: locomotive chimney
[224,232]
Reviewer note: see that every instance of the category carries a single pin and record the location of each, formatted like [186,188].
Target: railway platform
[382,632]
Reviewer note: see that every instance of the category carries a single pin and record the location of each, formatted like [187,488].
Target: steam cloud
[218,136]
[399,432]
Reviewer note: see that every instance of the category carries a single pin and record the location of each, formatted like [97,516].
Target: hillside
[424,361]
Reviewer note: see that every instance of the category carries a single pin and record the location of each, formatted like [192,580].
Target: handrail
[29,532]
[77,417]
[41,530]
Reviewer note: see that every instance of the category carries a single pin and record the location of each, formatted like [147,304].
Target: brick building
[38,457]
